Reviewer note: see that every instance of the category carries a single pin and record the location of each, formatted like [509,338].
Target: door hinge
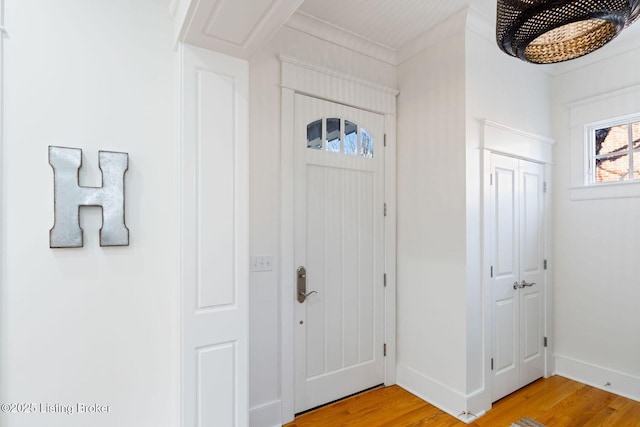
[491,179]
[384,350]
[492,271]
[492,363]
[545,264]
[545,341]
[385,209]
[544,187]
[385,139]
[385,280]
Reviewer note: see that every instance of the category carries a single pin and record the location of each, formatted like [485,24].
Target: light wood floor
[555,402]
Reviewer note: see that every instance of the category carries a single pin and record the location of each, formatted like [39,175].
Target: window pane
[612,140]
[635,127]
[314,135]
[350,138]
[367,143]
[333,135]
[636,165]
[612,169]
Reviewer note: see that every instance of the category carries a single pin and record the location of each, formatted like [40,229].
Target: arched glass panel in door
[314,135]
[350,138]
[367,143]
[338,135]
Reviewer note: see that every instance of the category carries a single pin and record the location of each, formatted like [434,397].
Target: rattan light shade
[548,31]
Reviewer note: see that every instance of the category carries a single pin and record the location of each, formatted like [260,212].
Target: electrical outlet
[261,263]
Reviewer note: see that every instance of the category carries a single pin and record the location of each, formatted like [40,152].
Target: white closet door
[214,239]
[517,285]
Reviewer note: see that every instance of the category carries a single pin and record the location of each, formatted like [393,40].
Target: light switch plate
[261,263]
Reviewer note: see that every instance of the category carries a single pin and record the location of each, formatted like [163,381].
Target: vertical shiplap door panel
[340,241]
[344,233]
[517,235]
[214,239]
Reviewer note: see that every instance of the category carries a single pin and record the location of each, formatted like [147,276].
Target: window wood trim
[586,114]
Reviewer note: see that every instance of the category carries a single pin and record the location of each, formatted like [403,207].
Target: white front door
[339,241]
[517,285]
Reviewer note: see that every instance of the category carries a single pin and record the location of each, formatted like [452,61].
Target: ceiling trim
[195,25]
[336,86]
[339,36]
[450,27]
[481,24]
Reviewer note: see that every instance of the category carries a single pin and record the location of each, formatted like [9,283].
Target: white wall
[431,219]
[446,92]
[596,244]
[265,137]
[90,325]
[508,91]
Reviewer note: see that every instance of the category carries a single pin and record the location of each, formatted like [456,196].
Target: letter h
[69,196]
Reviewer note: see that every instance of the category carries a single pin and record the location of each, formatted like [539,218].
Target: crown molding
[227,27]
[450,27]
[480,23]
[326,31]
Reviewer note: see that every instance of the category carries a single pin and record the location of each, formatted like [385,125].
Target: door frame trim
[311,80]
[508,141]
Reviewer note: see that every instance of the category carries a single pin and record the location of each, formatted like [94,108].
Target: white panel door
[531,271]
[506,272]
[339,237]
[214,239]
[517,284]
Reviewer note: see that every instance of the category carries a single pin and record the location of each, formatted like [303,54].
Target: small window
[314,135]
[615,152]
[333,135]
[355,141]
[367,144]
[350,138]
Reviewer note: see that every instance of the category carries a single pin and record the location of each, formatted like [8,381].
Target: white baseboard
[267,415]
[597,376]
[437,394]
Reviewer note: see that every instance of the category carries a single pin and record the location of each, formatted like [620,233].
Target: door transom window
[339,135]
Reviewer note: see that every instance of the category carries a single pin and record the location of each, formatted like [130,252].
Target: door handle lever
[523,284]
[303,297]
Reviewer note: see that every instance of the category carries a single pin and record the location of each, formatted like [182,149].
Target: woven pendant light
[548,31]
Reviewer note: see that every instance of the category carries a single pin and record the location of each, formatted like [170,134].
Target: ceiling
[395,23]
[388,30]
[389,23]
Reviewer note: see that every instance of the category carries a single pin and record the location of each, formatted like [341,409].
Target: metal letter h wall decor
[69,196]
